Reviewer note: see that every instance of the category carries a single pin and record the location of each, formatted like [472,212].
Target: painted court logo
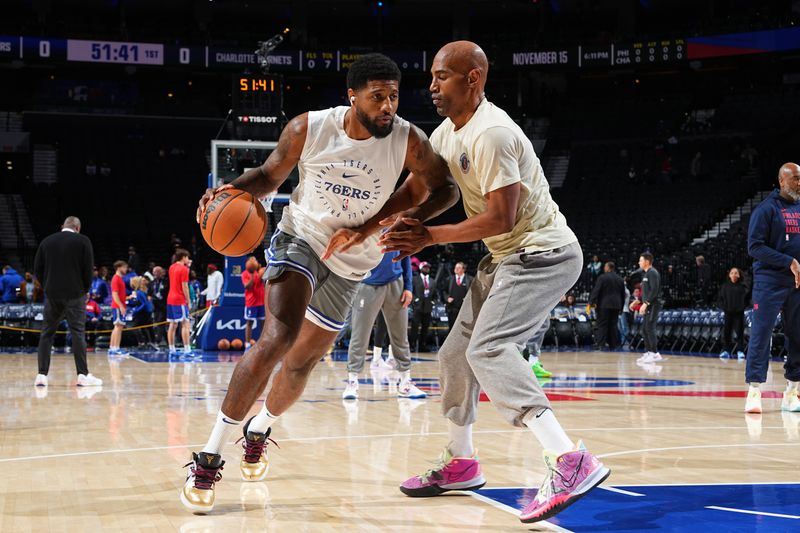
[464,160]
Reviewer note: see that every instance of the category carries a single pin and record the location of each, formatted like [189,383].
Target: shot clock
[257,102]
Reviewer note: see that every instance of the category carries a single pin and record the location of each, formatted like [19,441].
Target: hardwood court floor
[111,460]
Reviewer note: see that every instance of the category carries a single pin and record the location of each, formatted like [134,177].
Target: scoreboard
[664,51]
[257,102]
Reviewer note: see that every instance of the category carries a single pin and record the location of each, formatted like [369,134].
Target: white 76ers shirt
[343,183]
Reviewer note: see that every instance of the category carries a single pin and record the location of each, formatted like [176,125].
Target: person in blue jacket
[773,240]
[141,308]
[9,283]
[387,289]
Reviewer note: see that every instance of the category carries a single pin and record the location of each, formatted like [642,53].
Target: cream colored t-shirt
[490,152]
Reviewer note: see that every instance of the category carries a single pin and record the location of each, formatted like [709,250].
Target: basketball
[234,222]
[237,344]
[224,345]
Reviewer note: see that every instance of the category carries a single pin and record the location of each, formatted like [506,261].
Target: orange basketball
[234,222]
[237,344]
[223,345]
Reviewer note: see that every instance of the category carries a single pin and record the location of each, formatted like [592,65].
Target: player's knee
[300,368]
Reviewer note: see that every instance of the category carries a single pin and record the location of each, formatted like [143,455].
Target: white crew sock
[533,359]
[262,421]
[376,353]
[460,440]
[755,386]
[548,431]
[791,387]
[172,348]
[221,433]
[187,348]
[405,377]
[391,355]
[351,377]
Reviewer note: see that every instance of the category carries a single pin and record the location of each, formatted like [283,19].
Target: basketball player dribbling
[349,160]
[534,259]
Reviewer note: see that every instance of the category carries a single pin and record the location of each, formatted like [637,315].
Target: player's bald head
[464,57]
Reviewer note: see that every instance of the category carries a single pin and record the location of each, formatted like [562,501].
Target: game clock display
[115,52]
[256,102]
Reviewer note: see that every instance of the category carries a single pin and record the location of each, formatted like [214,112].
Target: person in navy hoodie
[774,242]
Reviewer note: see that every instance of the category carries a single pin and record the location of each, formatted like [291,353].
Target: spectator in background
[101,289]
[149,273]
[594,268]
[703,277]
[625,316]
[649,308]
[63,265]
[142,313]
[91,168]
[93,315]
[608,295]
[195,289]
[9,285]
[134,263]
[158,295]
[423,291]
[214,283]
[105,169]
[119,307]
[456,292]
[253,297]
[30,290]
[733,300]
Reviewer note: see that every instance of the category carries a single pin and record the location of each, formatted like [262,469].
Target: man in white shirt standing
[534,259]
[213,288]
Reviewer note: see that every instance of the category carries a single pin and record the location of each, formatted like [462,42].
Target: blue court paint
[683,508]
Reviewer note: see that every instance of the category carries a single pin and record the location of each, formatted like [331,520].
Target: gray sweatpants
[369,300]
[506,305]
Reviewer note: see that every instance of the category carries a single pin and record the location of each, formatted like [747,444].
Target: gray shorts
[332,296]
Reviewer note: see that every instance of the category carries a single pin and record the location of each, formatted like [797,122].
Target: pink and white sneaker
[569,477]
[450,473]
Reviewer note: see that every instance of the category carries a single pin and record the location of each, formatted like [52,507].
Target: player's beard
[379,132]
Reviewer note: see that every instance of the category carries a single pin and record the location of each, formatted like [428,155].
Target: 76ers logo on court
[464,160]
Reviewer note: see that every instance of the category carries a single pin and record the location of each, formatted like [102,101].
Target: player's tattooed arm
[427,191]
[267,177]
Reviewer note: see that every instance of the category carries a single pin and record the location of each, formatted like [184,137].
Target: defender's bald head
[463,57]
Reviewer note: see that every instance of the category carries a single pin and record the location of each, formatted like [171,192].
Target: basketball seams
[216,218]
[241,227]
[263,230]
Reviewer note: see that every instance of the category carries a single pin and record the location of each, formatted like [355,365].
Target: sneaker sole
[591,483]
[753,410]
[349,397]
[436,490]
[195,508]
[413,397]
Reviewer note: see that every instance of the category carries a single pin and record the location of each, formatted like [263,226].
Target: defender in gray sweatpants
[506,305]
[369,301]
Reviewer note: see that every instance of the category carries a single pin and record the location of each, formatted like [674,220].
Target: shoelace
[254,449]
[204,478]
[434,472]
